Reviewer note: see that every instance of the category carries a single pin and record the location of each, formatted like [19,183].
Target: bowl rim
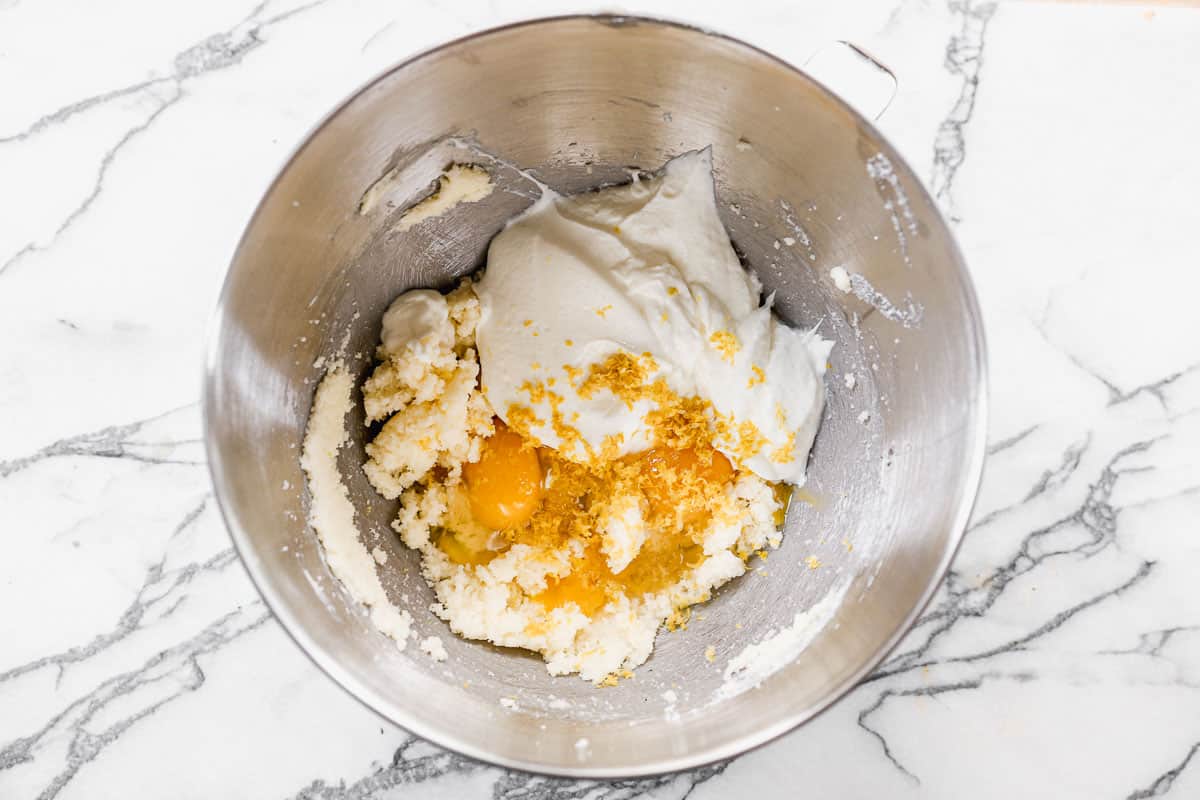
[445,738]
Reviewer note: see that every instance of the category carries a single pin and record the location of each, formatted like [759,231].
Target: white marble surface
[1060,659]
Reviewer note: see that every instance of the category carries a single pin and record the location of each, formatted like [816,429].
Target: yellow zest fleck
[749,441]
[663,317]
[786,452]
[522,420]
[537,627]
[726,344]
[813,562]
[569,343]
[600,312]
[846,543]
[616,228]
[527,323]
[609,680]
[535,333]
[551,381]
[710,654]
[571,441]
[536,365]
[610,448]
[672,291]
[679,619]
[536,390]
[757,376]
[762,554]
[573,373]
[621,373]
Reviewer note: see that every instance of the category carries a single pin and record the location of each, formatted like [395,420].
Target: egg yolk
[505,485]
[713,466]
[463,549]
[783,495]
[585,586]
[666,468]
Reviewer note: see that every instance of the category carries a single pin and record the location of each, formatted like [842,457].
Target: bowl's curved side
[619,91]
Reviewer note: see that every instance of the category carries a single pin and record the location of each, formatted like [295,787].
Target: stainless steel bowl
[805,184]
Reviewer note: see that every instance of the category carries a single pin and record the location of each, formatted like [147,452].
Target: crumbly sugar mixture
[580,553]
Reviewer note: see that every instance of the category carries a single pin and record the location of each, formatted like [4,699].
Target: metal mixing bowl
[805,184]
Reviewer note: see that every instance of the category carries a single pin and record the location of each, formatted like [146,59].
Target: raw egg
[660,462]
[667,470]
[505,484]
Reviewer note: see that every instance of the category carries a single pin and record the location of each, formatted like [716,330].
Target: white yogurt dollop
[646,268]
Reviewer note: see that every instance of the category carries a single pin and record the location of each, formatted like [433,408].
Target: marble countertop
[1061,657]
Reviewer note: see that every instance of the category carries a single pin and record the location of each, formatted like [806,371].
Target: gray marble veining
[1060,658]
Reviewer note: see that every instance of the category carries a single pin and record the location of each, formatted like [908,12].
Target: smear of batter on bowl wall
[330,511]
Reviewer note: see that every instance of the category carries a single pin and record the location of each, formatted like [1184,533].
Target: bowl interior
[805,185]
